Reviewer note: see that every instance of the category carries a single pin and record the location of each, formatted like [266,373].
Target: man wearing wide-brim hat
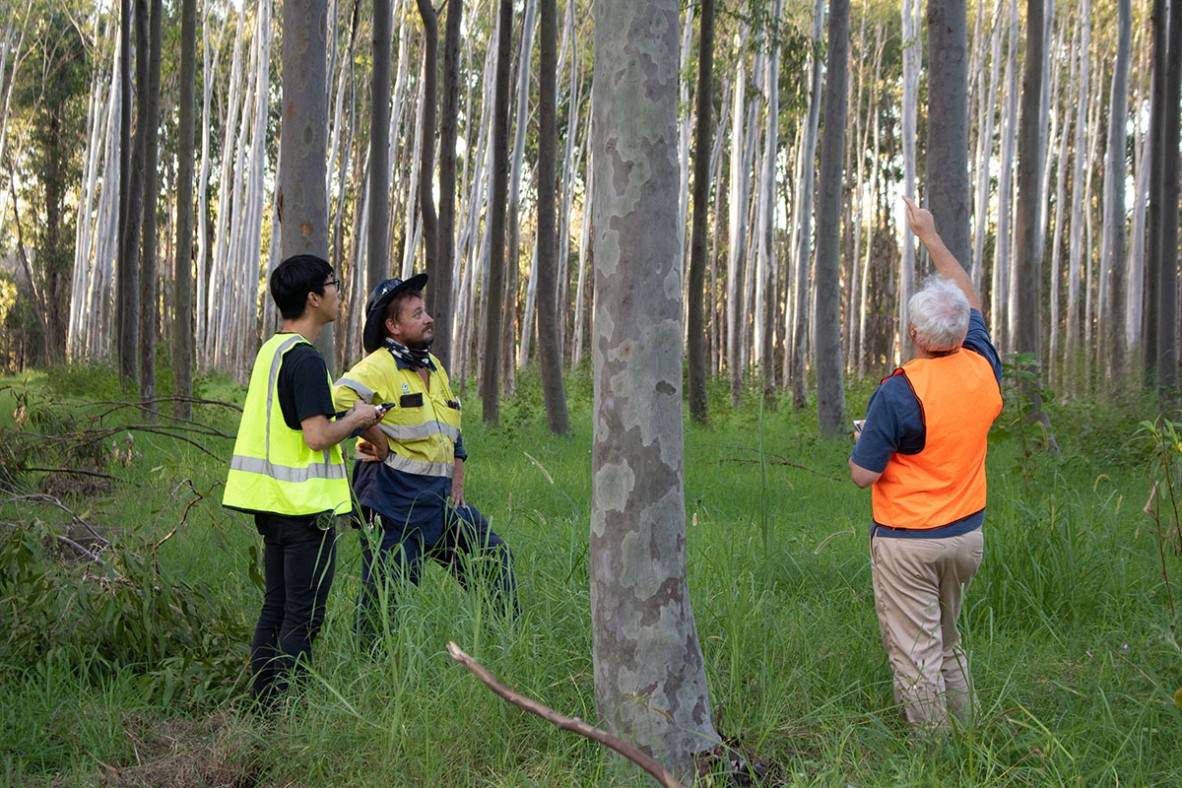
[409,477]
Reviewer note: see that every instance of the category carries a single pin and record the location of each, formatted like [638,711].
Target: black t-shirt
[303,386]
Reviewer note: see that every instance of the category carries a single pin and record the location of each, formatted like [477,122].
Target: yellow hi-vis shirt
[273,469]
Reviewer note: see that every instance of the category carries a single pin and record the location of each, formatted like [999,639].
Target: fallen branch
[86,553]
[49,499]
[562,722]
[72,472]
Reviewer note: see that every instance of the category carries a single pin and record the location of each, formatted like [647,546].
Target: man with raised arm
[922,449]
[288,471]
[409,478]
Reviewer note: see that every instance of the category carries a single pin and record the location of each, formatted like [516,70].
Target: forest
[159,158]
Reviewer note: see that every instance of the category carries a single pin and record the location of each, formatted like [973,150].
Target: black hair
[294,278]
[395,305]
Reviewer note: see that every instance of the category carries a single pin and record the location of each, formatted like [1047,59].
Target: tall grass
[1074,651]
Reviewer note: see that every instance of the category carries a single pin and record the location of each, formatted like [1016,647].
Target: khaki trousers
[918,586]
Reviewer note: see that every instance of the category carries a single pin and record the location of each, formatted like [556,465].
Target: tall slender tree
[129,271]
[182,333]
[696,312]
[1114,251]
[947,119]
[441,287]
[549,337]
[1167,269]
[490,381]
[149,308]
[650,681]
[378,240]
[828,361]
[427,160]
[303,140]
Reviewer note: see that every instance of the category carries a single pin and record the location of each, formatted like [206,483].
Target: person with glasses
[288,471]
[409,477]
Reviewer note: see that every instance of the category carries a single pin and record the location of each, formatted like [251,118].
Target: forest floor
[128,595]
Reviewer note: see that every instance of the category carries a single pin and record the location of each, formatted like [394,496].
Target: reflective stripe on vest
[421,437]
[959,398]
[273,469]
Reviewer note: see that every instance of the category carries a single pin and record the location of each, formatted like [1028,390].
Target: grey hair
[939,313]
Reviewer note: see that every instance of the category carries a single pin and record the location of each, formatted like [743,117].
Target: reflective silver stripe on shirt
[410,432]
[400,463]
[363,391]
[286,473]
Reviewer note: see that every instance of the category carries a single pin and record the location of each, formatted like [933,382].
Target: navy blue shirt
[894,424]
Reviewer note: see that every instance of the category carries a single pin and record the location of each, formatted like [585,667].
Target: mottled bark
[650,682]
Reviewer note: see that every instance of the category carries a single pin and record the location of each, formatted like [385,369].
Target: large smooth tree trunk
[129,274]
[182,351]
[1167,269]
[830,377]
[303,142]
[650,680]
[948,132]
[549,337]
[696,317]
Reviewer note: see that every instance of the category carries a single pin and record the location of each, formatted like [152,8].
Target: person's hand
[457,495]
[859,425]
[368,451]
[365,415]
[919,219]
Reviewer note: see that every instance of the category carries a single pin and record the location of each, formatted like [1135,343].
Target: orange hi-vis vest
[959,398]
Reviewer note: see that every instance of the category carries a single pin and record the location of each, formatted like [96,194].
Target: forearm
[948,266]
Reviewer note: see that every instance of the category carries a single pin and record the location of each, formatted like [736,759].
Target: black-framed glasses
[335,282]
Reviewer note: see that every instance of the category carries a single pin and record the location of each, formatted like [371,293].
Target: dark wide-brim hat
[377,303]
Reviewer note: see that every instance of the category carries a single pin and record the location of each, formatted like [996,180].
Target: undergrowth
[133,666]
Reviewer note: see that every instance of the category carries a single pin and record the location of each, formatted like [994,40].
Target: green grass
[1074,650]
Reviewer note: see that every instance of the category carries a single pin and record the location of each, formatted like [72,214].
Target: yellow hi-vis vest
[273,470]
[423,427]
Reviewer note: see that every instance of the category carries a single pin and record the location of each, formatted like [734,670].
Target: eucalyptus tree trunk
[830,380]
[513,228]
[490,381]
[549,339]
[1113,247]
[912,62]
[803,206]
[1167,281]
[182,352]
[1027,309]
[441,286]
[1000,314]
[987,101]
[736,247]
[1076,249]
[948,136]
[430,225]
[650,680]
[1156,213]
[1135,296]
[129,274]
[149,309]
[304,140]
[209,63]
[377,238]
[696,335]
[1053,360]
[765,315]
[684,122]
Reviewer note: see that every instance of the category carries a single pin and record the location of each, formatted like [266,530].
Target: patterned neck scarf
[415,359]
